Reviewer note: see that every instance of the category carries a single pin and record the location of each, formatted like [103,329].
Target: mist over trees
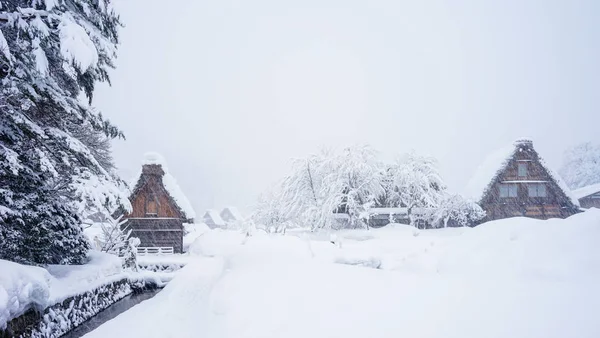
[352,182]
[581,165]
[55,163]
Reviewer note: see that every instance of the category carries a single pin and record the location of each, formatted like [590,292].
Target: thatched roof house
[159,207]
[515,181]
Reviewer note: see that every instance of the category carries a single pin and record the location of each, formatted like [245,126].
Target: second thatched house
[515,181]
[159,209]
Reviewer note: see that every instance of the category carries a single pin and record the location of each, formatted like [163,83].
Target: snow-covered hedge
[161,267]
[68,314]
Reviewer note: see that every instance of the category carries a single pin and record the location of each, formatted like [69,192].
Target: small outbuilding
[213,219]
[159,208]
[589,196]
[231,215]
[515,181]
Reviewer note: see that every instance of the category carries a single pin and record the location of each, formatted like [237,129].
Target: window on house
[522,169]
[151,206]
[508,190]
[536,190]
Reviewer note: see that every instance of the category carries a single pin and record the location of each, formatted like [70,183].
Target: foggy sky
[230,91]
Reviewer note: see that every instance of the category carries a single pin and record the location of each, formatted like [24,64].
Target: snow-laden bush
[455,210]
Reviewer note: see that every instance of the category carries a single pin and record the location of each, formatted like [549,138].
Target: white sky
[230,91]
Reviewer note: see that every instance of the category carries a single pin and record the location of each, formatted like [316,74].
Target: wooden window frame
[508,187]
[536,189]
[151,198]
[523,169]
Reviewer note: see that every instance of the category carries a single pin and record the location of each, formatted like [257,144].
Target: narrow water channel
[110,313]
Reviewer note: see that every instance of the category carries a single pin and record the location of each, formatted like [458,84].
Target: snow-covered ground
[511,278]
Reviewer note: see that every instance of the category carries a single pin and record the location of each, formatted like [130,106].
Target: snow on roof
[175,191]
[559,181]
[155,158]
[213,215]
[482,180]
[586,191]
[234,212]
[486,173]
[169,183]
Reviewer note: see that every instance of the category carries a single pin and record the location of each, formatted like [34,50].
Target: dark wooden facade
[525,187]
[155,217]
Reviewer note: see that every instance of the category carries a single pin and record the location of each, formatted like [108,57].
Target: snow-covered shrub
[455,210]
[130,254]
[114,237]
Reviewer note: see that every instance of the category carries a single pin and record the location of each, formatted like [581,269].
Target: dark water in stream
[110,313]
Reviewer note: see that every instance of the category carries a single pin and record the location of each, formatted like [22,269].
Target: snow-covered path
[517,278]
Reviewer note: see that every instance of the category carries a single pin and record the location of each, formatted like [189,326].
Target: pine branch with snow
[53,149]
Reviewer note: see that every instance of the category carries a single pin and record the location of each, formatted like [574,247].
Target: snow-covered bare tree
[415,183]
[581,165]
[322,184]
[270,211]
[354,183]
[53,163]
[455,210]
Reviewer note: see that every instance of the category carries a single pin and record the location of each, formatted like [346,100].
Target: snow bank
[193,231]
[71,280]
[553,249]
[22,287]
[217,243]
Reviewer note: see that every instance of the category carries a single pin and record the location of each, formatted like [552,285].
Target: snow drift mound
[556,248]
[217,242]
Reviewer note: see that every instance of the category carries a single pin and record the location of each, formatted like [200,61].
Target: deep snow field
[511,278]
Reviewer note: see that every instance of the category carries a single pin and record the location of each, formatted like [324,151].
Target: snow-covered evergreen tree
[581,165]
[53,167]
